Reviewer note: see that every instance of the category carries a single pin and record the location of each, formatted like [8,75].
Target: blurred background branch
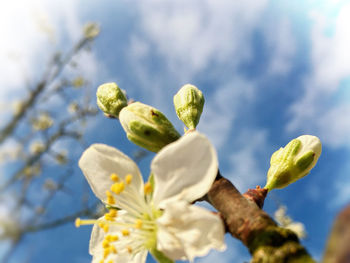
[38,161]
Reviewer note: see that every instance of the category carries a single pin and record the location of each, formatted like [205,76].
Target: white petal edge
[99,161]
[310,143]
[184,170]
[187,231]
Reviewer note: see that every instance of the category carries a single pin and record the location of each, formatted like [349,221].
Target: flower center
[132,229]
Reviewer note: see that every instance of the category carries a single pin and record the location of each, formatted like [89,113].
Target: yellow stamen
[114,177]
[148,188]
[77,222]
[105,228]
[108,217]
[128,179]
[117,188]
[110,198]
[102,261]
[113,212]
[114,250]
[114,238]
[106,252]
[125,232]
[105,244]
[138,223]
[129,249]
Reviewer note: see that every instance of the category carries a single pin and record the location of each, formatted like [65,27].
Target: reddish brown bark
[256,229]
[338,247]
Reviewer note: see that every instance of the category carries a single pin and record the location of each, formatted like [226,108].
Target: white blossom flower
[159,220]
[285,221]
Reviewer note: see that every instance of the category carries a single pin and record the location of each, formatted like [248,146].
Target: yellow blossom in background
[50,184]
[73,107]
[36,147]
[17,107]
[31,171]
[91,30]
[61,157]
[285,221]
[78,82]
[42,122]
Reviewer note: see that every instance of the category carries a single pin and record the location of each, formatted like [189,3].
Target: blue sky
[269,70]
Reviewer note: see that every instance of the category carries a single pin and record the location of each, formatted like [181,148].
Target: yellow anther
[138,223]
[148,188]
[102,261]
[114,177]
[113,212]
[117,188]
[77,222]
[128,179]
[105,243]
[113,249]
[125,232]
[105,228]
[101,225]
[110,261]
[129,249]
[114,238]
[106,252]
[111,200]
[108,218]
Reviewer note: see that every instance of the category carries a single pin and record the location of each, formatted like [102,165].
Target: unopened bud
[111,99]
[293,162]
[189,102]
[147,126]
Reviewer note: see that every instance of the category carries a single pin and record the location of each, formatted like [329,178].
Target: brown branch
[256,229]
[338,246]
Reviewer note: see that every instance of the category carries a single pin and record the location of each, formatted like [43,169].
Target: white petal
[310,143]
[186,231]
[184,169]
[99,161]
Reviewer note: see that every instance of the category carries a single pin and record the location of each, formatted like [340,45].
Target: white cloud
[31,32]
[235,252]
[245,171]
[341,188]
[221,108]
[281,45]
[318,110]
[193,34]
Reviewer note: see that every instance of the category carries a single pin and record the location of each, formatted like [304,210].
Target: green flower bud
[147,126]
[189,102]
[293,162]
[111,99]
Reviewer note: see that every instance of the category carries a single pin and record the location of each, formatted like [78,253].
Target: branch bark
[338,248]
[244,220]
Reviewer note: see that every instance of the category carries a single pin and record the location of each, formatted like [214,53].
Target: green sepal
[304,161]
[147,127]
[159,256]
[189,102]
[111,99]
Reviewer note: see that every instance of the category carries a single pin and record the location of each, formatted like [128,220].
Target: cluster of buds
[145,125]
[149,128]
